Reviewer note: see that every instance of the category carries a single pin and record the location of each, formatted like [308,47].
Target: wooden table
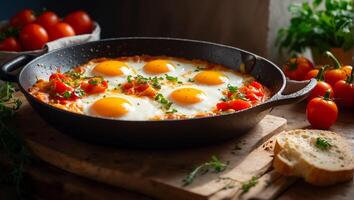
[69,186]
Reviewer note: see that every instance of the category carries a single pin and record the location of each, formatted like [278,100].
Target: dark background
[240,23]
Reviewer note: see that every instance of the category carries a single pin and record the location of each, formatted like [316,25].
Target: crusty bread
[297,154]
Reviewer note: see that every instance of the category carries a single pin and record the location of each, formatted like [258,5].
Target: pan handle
[7,70]
[295,91]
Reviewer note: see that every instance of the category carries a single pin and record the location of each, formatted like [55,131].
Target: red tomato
[239,104]
[297,68]
[94,86]
[344,92]
[47,19]
[80,21]
[33,36]
[23,18]
[59,76]
[59,87]
[322,112]
[311,74]
[223,106]
[321,88]
[10,44]
[60,30]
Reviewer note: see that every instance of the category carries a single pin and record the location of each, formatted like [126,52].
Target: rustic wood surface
[153,172]
[295,114]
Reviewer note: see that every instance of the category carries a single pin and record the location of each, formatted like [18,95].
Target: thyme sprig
[214,164]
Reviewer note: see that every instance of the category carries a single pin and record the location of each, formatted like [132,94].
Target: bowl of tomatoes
[35,33]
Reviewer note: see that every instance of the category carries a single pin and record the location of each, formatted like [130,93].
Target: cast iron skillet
[165,133]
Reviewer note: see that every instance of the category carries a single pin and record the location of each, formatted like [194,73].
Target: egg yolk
[158,67]
[111,68]
[111,107]
[187,96]
[210,78]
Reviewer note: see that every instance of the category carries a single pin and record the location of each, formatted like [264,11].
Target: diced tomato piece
[94,87]
[141,87]
[239,104]
[59,87]
[57,76]
[252,96]
[223,106]
[256,85]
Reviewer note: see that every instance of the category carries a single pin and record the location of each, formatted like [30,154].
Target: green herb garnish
[214,164]
[129,78]
[12,144]
[172,111]
[246,186]
[79,92]
[232,89]
[155,82]
[93,82]
[67,94]
[322,143]
[171,78]
[165,103]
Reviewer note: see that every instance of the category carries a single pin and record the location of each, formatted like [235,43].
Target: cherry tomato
[321,87]
[60,30]
[311,74]
[47,19]
[94,86]
[33,36]
[297,68]
[10,44]
[332,76]
[344,92]
[22,18]
[322,112]
[239,104]
[80,21]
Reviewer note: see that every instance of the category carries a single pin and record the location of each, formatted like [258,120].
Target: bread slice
[321,157]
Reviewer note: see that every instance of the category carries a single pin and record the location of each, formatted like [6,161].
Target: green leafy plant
[12,145]
[311,26]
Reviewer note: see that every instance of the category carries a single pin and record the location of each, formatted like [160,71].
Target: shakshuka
[150,88]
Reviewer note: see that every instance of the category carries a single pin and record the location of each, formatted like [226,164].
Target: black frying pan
[153,133]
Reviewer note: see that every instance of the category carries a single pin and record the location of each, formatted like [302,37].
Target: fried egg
[120,106]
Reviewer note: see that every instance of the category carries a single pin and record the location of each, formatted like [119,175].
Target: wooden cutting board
[160,173]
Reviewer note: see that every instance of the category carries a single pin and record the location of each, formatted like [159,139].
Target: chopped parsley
[73,74]
[322,143]
[129,78]
[67,94]
[232,89]
[172,111]
[93,81]
[171,78]
[191,80]
[246,186]
[165,103]
[79,92]
[141,79]
[214,164]
[155,82]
